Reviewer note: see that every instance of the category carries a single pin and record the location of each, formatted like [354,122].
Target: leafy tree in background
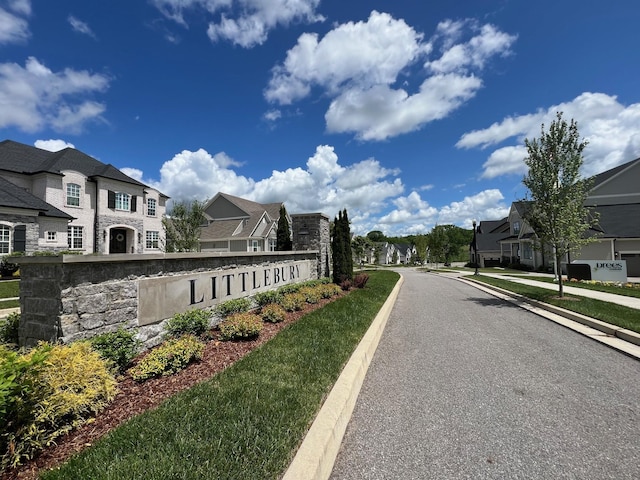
[182,227]
[361,246]
[283,240]
[556,190]
[376,236]
[438,243]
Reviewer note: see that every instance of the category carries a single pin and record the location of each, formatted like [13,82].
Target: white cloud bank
[610,127]
[359,64]
[246,23]
[365,188]
[34,97]
[53,145]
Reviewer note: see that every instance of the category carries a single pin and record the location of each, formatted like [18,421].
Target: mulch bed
[134,398]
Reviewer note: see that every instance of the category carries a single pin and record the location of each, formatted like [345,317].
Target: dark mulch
[134,398]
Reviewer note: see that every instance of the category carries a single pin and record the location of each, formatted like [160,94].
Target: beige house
[69,201]
[235,224]
[615,196]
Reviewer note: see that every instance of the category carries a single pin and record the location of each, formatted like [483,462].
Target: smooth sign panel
[606,270]
[162,297]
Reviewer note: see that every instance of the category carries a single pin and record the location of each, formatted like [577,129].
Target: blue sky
[407,113]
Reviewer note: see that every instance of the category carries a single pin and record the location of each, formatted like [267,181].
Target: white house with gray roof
[69,201]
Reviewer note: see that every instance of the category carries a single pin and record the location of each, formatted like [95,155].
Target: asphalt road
[464,385]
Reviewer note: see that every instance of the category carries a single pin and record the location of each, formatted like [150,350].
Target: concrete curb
[615,337]
[317,453]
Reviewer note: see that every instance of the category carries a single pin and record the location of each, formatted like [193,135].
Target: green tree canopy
[557,191]
[182,227]
[376,236]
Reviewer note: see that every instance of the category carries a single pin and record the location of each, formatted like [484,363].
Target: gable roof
[603,177]
[234,217]
[619,221]
[13,196]
[24,159]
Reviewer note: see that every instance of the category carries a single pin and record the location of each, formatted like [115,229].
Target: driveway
[464,385]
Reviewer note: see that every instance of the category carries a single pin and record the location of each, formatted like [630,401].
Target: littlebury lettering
[225,285]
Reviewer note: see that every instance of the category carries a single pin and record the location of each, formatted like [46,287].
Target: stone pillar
[311,232]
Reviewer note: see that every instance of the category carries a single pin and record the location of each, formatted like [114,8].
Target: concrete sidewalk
[631,302]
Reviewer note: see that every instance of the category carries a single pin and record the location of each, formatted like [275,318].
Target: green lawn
[629,292]
[247,421]
[9,288]
[612,313]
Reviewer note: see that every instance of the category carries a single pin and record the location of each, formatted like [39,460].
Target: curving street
[464,385]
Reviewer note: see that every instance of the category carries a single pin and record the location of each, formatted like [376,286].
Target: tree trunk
[559,267]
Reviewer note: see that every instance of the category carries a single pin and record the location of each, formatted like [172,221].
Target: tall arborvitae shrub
[341,249]
[283,241]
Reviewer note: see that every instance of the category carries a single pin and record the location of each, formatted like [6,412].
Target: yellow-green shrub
[329,290]
[170,357]
[240,326]
[72,384]
[292,301]
[273,313]
[311,294]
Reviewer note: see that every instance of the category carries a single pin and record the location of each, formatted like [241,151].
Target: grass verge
[9,304]
[247,421]
[9,288]
[612,313]
[629,292]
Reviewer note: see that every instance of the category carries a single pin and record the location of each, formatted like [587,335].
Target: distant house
[395,253]
[69,201]
[235,224]
[615,196]
[489,234]
[406,252]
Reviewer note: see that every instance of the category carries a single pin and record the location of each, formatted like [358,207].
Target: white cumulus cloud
[610,127]
[246,23]
[53,145]
[34,97]
[14,27]
[358,65]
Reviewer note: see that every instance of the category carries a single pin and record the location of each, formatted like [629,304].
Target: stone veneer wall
[66,298]
[311,231]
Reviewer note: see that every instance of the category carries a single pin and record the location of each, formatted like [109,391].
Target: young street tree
[283,234]
[557,192]
[182,228]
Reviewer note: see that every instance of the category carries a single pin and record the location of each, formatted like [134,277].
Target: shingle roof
[24,159]
[13,196]
[604,176]
[225,228]
[619,221]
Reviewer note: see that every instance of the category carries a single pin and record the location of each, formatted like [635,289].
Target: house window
[74,236]
[51,236]
[153,240]
[272,244]
[151,207]
[122,201]
[527,251]
[73,195]
[254,246]
[516,227]
[5,239]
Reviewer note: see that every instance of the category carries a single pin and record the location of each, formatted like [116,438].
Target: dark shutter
[134,203]
[20,238]
[111,199]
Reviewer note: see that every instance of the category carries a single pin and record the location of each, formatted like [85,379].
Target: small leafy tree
[182,228]
[283,241]
[557,191]
[438,243]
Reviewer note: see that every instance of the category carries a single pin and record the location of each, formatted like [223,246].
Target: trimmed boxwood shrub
[237,305]
[292,302]
[265,298]
[192,322]
[119,348]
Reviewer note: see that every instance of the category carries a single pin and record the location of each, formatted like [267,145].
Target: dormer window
[516,228]
[73,194]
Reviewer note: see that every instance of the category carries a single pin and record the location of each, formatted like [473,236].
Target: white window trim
[67,196]
[120,200]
